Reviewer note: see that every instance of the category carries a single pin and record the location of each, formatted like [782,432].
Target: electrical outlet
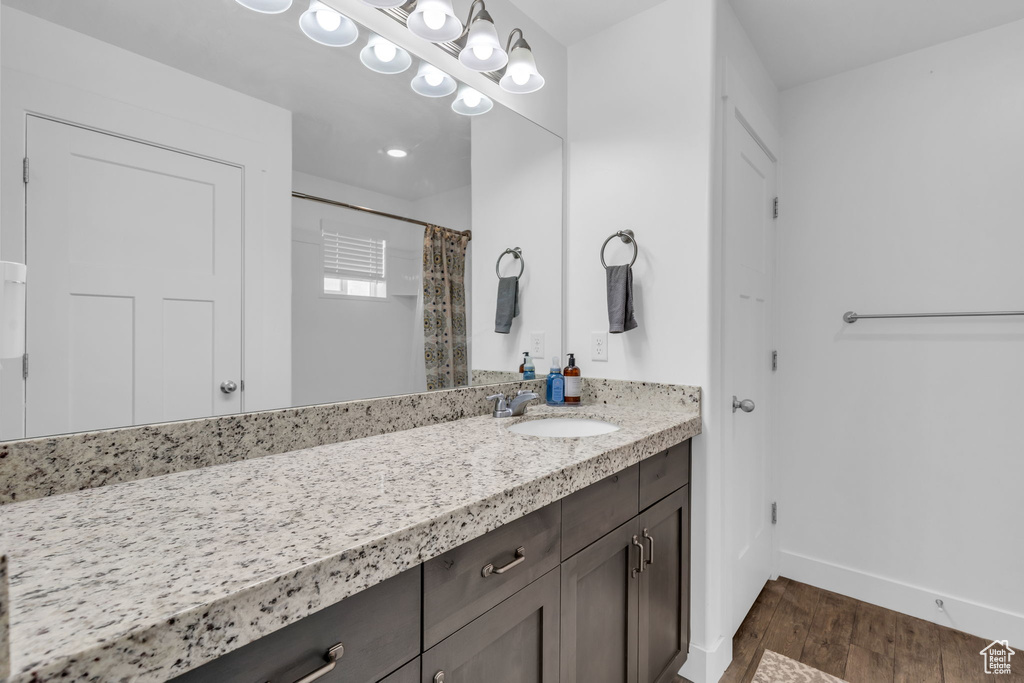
[599,346]
[537,344]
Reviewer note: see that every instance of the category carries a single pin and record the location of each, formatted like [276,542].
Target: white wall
[52,71]
[517,202]
[640,143]
[900,461]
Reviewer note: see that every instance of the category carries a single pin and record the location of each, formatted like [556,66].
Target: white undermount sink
[564,427]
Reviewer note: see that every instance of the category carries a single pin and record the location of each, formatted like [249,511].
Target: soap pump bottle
[573,382]
[527,369]
[556,384]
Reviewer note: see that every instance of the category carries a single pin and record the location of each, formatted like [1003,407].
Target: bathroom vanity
[457,551]
[597,582]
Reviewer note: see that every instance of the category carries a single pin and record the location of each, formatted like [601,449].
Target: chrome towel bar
[851,317]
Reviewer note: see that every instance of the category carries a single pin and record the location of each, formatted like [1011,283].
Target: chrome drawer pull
[331,657]
[520,558]
[439,677]
[638,544]
[650,558]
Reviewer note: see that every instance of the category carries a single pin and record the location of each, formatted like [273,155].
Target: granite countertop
[144,580]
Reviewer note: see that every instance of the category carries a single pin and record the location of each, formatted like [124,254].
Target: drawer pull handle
[439,677]
[490,568]
[637,572]
[650,555]
[331,657]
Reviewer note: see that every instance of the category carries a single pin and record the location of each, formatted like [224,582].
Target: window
[354,266]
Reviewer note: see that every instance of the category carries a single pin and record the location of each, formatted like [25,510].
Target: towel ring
[626,236]
[517,254]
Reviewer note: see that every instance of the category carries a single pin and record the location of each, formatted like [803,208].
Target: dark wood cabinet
[410,673]
[516,642]
[600,603]
[664,605]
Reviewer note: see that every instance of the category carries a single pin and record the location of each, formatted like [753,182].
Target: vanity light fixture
[430,81]
[483,49]
[470,102]
[521,75]
[396,153]
[435,20]
[384,3]
[266,6]
[328,26]
[383,56]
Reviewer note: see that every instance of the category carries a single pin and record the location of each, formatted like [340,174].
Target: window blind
[354,258]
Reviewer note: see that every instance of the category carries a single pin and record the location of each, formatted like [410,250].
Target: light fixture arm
[470,17]
[508,45]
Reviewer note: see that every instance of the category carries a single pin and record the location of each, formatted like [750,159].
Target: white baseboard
[964,615]
[707,665]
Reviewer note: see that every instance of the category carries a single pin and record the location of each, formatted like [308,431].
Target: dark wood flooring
[856,641]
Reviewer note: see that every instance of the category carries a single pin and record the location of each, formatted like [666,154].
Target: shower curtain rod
[312,198]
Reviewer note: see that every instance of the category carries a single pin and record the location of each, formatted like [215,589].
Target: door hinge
[775,208]
[24,366]
[241,384]
[24,170]
[775,513]
[775,361]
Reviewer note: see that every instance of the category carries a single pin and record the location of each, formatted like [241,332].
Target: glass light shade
[470,102]
[432,82]
[315,27]
[266,6]
[383,56]
[434,20]
[384,3]
[483,49]
[521,75]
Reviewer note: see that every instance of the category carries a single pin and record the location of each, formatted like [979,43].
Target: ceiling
[344,115]
[800,41]
[570,21]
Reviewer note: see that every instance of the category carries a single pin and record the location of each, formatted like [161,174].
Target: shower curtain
[445,352]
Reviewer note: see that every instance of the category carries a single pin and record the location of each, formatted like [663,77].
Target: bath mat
[776,668]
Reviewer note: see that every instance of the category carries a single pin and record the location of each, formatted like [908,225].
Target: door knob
[228,387]
[746,405]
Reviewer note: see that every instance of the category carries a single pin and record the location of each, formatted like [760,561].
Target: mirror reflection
[220,215]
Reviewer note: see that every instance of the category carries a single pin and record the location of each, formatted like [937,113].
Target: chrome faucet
[503,407]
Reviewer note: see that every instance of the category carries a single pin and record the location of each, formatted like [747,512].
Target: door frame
[739,104]
[259,147]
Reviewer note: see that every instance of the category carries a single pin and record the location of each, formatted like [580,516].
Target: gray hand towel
[620,299]
[508,304]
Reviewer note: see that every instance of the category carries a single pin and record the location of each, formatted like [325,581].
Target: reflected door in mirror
[135,304]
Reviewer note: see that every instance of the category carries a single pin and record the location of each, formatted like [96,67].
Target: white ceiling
[803,40]
[344,115]
[570,21]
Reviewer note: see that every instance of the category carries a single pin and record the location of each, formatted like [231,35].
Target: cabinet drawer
[516,642]
[663,473]
[589,514]
[455,590]
[379,628]
[410,673]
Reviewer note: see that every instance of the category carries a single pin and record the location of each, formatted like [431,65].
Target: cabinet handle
[331,657]
[439,677]
[490,569]
[650,558]
[638,544]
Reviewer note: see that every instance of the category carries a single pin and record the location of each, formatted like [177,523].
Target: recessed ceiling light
[397,153]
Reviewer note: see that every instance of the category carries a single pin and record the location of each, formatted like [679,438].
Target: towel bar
[851,317]
[626,236]
[517,254]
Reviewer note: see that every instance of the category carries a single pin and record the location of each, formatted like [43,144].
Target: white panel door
[134,312]
[749,257]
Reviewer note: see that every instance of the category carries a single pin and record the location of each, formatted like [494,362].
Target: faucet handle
[499,401]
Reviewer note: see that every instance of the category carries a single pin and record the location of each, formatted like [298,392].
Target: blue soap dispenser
[556,384]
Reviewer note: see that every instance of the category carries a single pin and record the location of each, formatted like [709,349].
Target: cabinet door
[516,642]
[410,673]
[600,604]
[665,588]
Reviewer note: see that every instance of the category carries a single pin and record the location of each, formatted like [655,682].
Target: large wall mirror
[220,215]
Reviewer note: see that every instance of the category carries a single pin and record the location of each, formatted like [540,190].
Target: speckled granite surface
[34,468]
[143,580]
[494,377]
[5,653]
